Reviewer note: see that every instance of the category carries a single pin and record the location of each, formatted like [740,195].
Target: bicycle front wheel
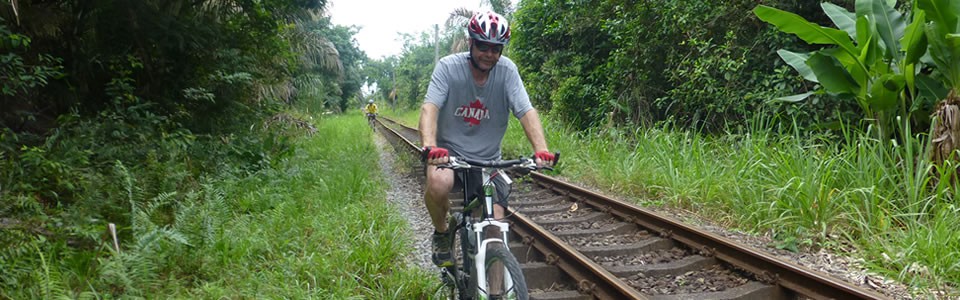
[514,286]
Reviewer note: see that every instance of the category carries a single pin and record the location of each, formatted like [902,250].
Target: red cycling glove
[436,152]
[544,156]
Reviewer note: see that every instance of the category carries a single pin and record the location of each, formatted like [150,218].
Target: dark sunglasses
[484,47]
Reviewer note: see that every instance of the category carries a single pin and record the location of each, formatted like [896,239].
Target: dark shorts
[476,185]
[502,184]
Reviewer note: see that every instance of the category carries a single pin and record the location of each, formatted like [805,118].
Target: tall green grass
[316,225]
[852,193]
[319,227]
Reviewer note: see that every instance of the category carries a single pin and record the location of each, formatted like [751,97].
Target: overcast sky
[381,20]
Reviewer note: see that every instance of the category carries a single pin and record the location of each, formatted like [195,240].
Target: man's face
[485,54]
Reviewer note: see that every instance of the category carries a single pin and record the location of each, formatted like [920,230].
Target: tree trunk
[946,136]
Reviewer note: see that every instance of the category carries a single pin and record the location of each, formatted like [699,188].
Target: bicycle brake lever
[524,171]
[452,164]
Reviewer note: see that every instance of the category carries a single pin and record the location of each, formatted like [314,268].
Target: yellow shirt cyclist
[370,109]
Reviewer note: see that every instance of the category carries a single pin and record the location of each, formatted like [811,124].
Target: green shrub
[708,65]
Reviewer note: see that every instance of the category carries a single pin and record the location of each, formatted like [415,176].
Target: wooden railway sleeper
[586,287]
[769,278]
[667,234]
[708,251]
[528,240]
[605,209]
[552,259]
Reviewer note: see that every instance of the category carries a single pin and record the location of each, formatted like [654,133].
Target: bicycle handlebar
[498,164]
[459,162]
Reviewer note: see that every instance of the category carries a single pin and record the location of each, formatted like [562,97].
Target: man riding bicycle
[370,109]
[465,113]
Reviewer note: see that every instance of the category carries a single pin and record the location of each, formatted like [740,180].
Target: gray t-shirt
[473,119]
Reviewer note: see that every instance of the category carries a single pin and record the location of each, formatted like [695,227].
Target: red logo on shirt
[473,113]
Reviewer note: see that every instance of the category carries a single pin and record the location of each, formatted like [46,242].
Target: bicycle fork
[479,261]
[479,234]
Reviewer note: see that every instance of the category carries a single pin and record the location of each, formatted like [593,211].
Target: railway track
[578,244]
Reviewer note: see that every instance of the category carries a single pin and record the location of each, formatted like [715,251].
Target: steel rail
[397,136]
[764,266]
[592,279]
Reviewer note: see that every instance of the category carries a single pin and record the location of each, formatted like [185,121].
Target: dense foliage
[113,108]
[875,57]
[381,75]
[414,69]
[345,85]
[704,65]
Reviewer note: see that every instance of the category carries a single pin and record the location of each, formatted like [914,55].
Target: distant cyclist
[465,113]
[371,110]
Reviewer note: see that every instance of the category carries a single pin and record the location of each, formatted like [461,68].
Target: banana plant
[943,34]
[873,59]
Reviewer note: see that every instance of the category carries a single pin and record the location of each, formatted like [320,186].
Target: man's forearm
[428,125]
[534,130]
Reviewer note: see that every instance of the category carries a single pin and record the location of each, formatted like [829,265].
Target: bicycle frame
[478,230]
[371,120]
[470,279]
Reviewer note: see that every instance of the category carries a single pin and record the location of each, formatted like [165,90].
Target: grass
[853,193]
[315,226]
[806,192]
[325,230]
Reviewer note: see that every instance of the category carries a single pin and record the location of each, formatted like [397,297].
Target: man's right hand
[436,155]
[545,158]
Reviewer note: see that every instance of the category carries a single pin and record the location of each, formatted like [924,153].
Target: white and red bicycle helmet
[489,27]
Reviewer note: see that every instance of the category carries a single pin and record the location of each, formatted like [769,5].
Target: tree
[183,57]
[334,87]
[414,68]
[381,74]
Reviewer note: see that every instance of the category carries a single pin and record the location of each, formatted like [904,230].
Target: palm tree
[317,55]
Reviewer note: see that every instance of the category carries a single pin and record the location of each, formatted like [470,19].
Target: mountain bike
[485,268]
[371,119]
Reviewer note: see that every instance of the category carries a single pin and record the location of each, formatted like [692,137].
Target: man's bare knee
[439,182]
